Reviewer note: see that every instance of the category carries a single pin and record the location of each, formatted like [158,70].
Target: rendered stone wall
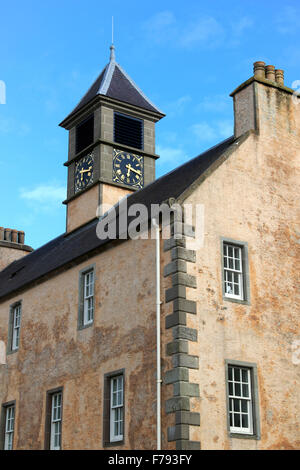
[83,208]
[252,197]
[9,255]
[54,353]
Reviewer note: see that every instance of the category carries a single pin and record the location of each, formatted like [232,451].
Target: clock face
[84,172]
[128,169]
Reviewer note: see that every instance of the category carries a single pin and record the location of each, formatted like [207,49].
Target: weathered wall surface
[82,209]
[252,197]
[111,195]
[54,353]
[9,255]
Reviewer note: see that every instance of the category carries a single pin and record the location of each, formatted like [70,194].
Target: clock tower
[111,144]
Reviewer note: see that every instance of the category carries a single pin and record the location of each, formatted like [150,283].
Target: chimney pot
[1,233]
[14,236]
[270,73]
[7,234]
[279,76]
[259,69]
[21,237]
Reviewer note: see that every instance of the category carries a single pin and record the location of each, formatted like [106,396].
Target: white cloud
[241,25]
[176,107]
[6,125]
[45,195]
[216,103]
[206,31]
[161,20]
[288,21]
[9,125]
[225,128]
[205,132]
[165,27]
[171,154]
[160,27]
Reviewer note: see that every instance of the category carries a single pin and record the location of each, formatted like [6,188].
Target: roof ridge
[107,78]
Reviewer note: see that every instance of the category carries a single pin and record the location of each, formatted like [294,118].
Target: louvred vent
[128,131]
[85,134]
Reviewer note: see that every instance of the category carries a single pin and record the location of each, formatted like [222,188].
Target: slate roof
[69,247]
[114,82]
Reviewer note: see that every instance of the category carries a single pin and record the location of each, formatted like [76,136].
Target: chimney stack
[12,236]
[12,246]
[249,105]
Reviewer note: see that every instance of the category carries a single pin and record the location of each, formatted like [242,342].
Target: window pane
[237,374]
[236,405]
[114,400]
[245,390]
[245,375]
[230,251]
[237,420]
[236,289]
[230,261]
[230,388]
[230,373]
[245,421]
[120,381]
[244,406]
[237,389]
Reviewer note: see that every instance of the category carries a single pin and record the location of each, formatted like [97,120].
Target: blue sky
[186,56]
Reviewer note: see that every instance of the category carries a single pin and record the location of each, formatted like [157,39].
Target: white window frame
[116,408]
[56,421]
[88,297]
[16,326]
[237,397]
[9,427]
[233,271]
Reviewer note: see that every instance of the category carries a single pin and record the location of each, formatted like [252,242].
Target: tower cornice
[73,119]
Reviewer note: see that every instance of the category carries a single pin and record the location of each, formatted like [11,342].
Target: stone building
[180,341]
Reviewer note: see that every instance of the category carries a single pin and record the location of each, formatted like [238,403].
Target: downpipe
[158,350]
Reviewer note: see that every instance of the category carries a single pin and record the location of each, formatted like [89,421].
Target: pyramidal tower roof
[113,82]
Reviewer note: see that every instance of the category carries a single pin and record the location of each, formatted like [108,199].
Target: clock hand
[132,169]
[85,171]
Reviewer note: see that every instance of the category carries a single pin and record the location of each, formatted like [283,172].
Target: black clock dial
[128,169]
[84,172]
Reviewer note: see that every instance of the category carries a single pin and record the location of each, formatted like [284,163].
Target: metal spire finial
[112,47]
